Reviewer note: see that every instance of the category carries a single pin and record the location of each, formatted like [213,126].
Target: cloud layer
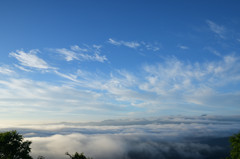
[201,137]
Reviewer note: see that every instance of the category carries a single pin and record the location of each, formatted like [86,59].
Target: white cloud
[212,50]
[130,44]
[111,41]
[69,55]
[165,85]
[83,54]
[77,48]
[80,99]
[98,47]
[30,59]
[136,45]
[5,70]
[95,57]
[150,46]
[210,97]
[177,82]
[172,84]
[183,47]
[27,95]
[22,68]
[104,146]
[219,30]
[122,146]
[172,72]
[118,138]
[70,77]
[161,86]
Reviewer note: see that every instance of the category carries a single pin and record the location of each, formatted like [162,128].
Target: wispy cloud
[22,68]
[214,51]
[194,83]
[136,45]
[30,59]
[183,47]
[70,77]
[77,48]
[150,46]
[69,54]
[174,70]
[24,95]
[5,70]
[114,42]
[83,54]
[130,44]
[95,57]
[217,29]
[171,84]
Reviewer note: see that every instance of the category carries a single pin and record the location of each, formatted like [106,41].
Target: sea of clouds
[172,137]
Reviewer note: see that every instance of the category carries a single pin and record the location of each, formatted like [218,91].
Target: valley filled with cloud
[169,137]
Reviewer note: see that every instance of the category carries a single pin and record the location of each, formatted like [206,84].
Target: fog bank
[202,137]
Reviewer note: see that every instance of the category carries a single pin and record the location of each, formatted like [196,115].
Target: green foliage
[12,146]
[235,145]
[77,156]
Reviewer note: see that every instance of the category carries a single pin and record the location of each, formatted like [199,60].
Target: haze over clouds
[167,74]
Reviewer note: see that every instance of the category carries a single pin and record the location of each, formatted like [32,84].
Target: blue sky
[94,60]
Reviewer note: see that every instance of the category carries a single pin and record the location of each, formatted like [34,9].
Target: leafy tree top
[235,145]
[77,156]
[12,146]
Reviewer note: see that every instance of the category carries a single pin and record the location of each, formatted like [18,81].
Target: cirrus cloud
[30,59]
